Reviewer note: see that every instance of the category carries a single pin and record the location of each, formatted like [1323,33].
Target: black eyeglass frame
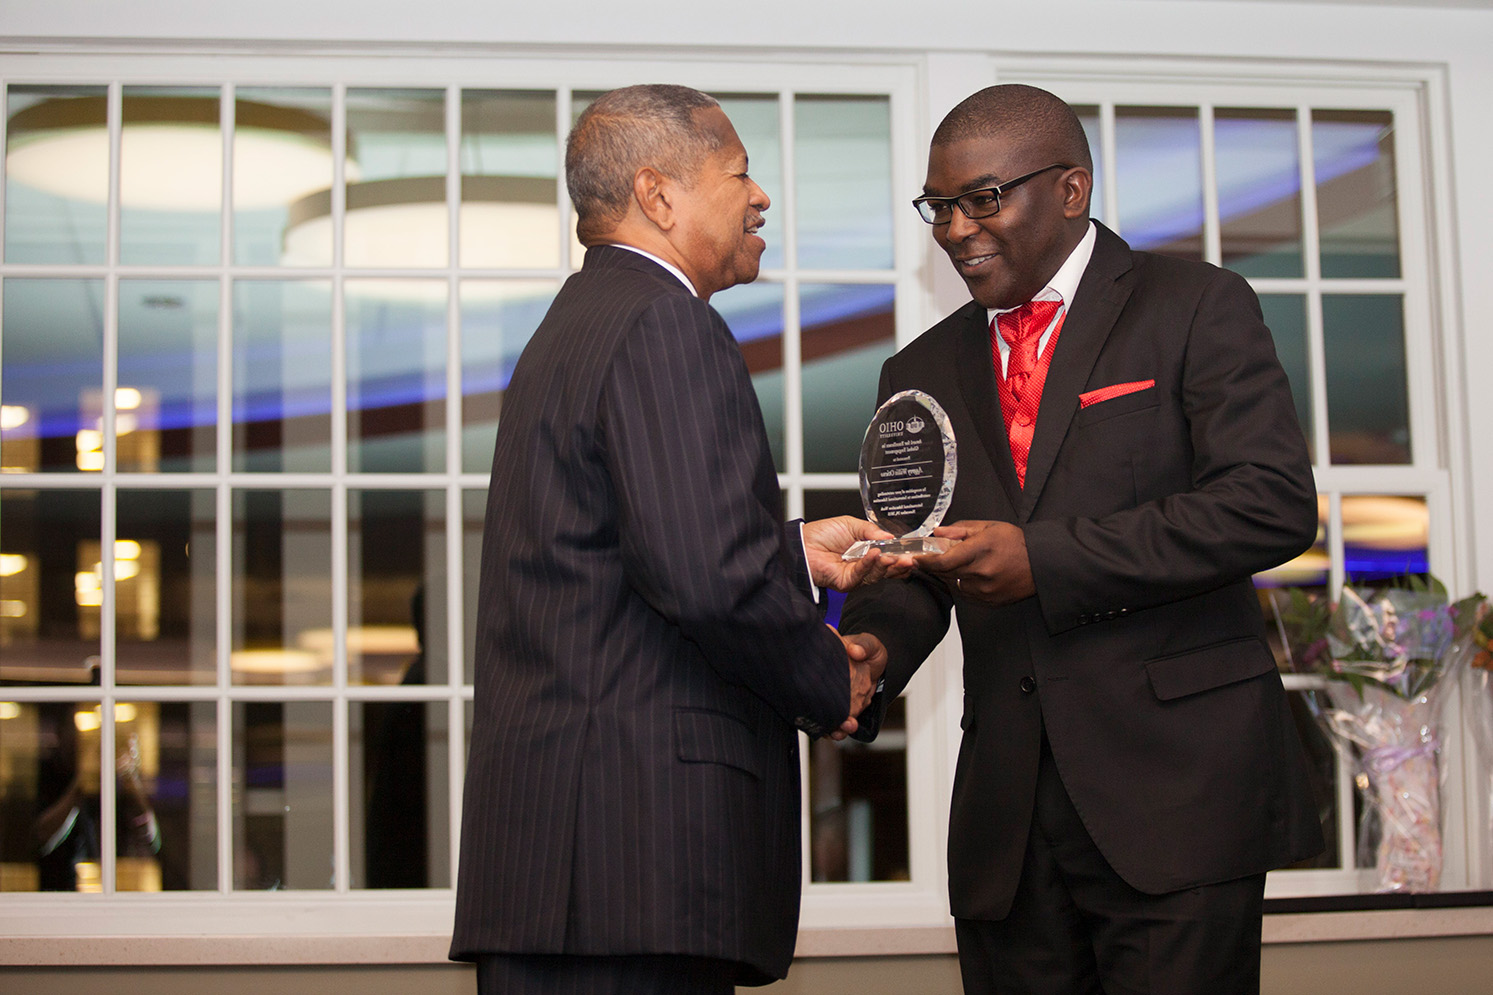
[926,205]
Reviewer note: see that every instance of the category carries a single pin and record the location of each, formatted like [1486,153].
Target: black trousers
[1076,928]
[642,974]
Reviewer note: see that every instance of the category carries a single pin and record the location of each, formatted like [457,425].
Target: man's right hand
[868,659]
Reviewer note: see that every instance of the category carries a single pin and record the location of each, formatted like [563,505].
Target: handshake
[824,542]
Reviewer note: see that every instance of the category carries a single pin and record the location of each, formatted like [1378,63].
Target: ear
[1077,185]
[654,196]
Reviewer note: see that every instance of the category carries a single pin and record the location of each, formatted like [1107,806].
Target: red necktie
[1021,386]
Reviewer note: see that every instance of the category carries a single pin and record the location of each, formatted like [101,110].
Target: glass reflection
[1257,159]
[1385,536]
[848,332]
[282,363]
[1088,116]
[754,312]
[170,176]
[56,174]
[473,514]
[167,401]
[282,795]
[282,587]
[50,592]
[396,376]
[1368,409]
[49,793]
[400,811]
[1285,316]
[165,605]
[166,782]
[498,317]
[396,612]
[397,213]
[755,117]
[858,805]
[1353,155]
[1159,169]
[282,173]
[509,160]
[843,174]
[52,338]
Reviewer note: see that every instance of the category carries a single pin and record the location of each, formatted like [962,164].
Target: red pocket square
[1113,390]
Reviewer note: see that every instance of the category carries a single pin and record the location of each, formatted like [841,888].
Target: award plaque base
[907,545]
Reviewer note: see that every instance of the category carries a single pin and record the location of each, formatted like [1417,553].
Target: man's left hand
[988,564]
[827,538]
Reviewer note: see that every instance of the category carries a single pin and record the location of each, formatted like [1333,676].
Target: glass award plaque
[908,465]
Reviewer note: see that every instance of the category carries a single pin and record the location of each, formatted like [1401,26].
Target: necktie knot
[1023,326]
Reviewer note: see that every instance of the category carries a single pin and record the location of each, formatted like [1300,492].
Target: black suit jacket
[1143,652]
[645,644]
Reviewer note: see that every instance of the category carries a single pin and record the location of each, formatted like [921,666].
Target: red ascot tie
[1021,385]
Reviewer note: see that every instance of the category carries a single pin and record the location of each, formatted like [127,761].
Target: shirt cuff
[803,549]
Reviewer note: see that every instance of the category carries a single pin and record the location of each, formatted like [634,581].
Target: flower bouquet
[1385,653]
[1474,646]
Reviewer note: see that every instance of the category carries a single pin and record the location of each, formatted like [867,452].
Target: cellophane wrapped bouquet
[1387,653]
[1475,649]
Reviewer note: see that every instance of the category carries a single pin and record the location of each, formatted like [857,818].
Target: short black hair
[1024,113]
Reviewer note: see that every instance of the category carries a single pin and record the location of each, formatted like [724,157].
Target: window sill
[1368,917]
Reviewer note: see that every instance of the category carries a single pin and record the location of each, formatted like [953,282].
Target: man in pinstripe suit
[648,637]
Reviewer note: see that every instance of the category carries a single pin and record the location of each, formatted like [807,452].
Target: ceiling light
[172,151]
[507,222]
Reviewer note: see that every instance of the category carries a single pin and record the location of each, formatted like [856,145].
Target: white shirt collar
[664,263]
[1064,283]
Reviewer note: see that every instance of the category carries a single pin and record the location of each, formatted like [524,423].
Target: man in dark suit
[647,633]
[1129,456]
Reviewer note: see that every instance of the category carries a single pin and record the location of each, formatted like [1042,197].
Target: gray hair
[1022,113]
[651,124]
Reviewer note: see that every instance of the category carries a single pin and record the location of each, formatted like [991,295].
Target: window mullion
[1212,236]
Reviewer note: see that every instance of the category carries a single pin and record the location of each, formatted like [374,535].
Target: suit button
[1028,685]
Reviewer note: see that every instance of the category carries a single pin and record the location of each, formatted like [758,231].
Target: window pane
[396,376]
[755,313]
[848,332]
[56,174]
[167,401]
[1367,394]
[1285,316]
[49,793]
[858,805]
[282,587]
[509,164]
[497,320]
[50,592]
[757,123]
[396,212]
[400,800]
[1088,116]
[844,182]
[396,612]
[1259,191]
[52,341]
[473,512]
[1384,537]
[282,368]
[167,823]
[1159,167]
[170,176]
[165,568]
[282,798]
[282,176]
[1355,174]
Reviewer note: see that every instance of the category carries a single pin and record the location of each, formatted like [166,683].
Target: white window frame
[394,921]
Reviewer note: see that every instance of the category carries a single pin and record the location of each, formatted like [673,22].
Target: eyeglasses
[976,204]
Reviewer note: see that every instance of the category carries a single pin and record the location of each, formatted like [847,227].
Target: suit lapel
[981,397]
[1095,307]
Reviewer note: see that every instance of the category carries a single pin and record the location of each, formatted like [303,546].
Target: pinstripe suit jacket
[645,645]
